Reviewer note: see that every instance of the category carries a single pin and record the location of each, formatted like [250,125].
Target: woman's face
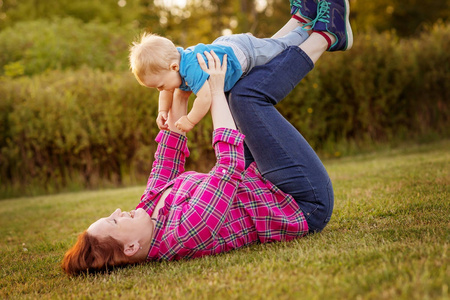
[127,227]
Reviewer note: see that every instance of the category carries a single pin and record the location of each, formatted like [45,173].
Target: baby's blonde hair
[152,54]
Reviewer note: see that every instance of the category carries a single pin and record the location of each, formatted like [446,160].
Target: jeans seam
[289,155]
[260,83]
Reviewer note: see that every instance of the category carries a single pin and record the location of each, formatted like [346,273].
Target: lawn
[388,239]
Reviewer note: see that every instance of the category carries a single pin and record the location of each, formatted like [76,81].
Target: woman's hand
[215,69]
[162,119]
[220,112]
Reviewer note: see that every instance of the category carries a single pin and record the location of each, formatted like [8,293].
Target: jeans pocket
[309,210]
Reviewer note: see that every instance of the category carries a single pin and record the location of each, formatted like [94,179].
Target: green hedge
[75,129]
[72,129]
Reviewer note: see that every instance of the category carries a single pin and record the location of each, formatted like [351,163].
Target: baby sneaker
[333,17]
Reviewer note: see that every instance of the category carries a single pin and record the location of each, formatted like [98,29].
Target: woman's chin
[142,214]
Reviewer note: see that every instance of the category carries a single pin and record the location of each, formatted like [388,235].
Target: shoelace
[323,14]
[295,5]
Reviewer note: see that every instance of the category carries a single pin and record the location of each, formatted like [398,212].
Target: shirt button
[223,171]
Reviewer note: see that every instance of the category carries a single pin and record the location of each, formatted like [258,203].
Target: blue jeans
[281,153]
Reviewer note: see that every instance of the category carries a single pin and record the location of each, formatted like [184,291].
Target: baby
[157,63]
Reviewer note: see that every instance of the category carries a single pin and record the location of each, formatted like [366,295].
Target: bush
[79,127]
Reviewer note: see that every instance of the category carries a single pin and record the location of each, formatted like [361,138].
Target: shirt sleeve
[204,214]
[170,158]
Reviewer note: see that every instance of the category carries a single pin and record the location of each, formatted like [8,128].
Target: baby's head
[153,54]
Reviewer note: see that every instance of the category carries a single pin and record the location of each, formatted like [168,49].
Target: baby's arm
[200,108]
[165,103]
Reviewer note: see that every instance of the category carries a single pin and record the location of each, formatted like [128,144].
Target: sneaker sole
[348,28]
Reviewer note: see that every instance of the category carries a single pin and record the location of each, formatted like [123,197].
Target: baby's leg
[252,51]
[288,27]
[264,50]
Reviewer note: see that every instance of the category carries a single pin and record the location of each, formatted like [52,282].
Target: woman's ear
[174,66]
[131,249]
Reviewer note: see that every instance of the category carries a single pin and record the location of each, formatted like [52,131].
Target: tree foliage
[13,11]
[32,47]
[207,19]
[406,17]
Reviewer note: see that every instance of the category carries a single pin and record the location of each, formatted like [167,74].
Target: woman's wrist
[220,112]
[217,93]
[178,109]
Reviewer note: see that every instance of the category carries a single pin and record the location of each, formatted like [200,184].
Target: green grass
[388,239]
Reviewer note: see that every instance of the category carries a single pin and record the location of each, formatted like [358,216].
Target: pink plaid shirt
[210,213]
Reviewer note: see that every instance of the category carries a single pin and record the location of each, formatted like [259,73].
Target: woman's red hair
[93,254]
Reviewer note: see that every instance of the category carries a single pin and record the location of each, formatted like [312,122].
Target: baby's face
[166,80]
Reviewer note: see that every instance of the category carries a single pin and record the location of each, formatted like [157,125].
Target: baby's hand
[184,124]
[161,120]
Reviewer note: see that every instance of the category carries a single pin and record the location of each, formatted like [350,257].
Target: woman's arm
[172,149]
[170,156]
[199,109]
[164,105]
[220,112]
[178,109]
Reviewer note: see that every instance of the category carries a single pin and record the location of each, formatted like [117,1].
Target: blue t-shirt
[193,77]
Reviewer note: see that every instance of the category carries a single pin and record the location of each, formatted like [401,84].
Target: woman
[281,190]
